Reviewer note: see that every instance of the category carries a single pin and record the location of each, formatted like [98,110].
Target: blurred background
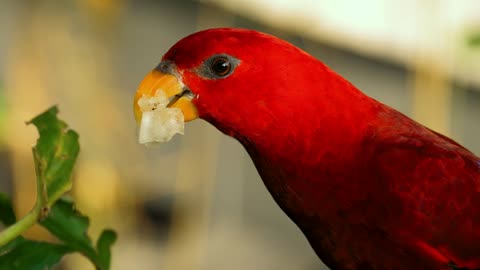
[197,202]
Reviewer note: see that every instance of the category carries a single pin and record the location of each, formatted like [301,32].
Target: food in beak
[158,123]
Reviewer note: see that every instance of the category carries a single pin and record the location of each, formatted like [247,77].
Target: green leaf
[54,155]
[10,246]
[104,244]
[7,216]
[31,255]
[70,226]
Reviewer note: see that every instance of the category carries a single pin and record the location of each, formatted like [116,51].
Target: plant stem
[35,214]
[20,226]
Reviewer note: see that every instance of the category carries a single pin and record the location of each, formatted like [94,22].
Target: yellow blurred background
[197,201]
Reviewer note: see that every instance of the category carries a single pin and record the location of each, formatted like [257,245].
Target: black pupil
[221,66]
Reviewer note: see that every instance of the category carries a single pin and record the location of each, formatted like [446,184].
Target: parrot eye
[218,66]
[221,66]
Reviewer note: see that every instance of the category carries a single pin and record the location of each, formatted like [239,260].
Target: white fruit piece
[158,123]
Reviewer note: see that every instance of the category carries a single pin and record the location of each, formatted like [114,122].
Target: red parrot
[369,187]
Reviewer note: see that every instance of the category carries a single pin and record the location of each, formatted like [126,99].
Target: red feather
[369,187]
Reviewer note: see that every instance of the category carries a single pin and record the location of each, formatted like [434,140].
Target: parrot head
[249,85]
[241,81]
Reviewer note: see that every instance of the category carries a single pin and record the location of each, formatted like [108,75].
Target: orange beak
[173,88]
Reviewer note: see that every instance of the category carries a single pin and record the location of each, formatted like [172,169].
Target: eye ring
[218,66]
[221,66]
